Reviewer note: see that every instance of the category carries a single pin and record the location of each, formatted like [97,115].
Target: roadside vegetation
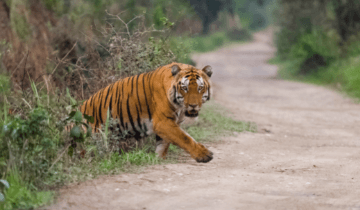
[318,42]
[56,53]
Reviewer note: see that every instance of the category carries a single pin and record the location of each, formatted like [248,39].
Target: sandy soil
[305,155]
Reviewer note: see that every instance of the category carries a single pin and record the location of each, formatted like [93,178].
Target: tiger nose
[193,105]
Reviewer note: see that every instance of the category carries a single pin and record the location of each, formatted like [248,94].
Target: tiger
[156,102]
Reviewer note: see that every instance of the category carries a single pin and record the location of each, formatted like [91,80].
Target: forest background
[56,53]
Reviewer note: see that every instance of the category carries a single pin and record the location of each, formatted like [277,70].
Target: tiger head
[190,88]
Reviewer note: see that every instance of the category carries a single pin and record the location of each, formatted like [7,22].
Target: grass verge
[342,74]
[213,123]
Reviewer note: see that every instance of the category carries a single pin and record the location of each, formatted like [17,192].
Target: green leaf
[78,116]
[72,100]
[75,132]
[71,115]
[71,151]
[5,183]
[89,118]
[89,131]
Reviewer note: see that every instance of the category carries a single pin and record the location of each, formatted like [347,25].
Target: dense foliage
[320,39]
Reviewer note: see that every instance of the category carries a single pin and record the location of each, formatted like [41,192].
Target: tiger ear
[208,70]
[175,70]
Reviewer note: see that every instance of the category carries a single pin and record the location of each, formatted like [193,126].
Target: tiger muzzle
[191,113]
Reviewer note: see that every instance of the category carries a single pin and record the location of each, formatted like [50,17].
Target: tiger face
[191,88]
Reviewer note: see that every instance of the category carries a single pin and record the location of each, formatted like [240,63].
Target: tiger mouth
[191,113]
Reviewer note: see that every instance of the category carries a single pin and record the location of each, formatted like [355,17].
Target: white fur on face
[185,84]
[200,83]
[205,96]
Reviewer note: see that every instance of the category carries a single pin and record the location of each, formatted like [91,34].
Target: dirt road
[306,154]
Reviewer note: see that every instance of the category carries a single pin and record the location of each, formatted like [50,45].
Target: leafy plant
[80,128]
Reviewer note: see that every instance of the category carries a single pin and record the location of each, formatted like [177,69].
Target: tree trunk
[206,25]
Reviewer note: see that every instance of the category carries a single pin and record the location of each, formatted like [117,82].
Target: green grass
[214,122]
[209,43]
[342,74]
[23,196]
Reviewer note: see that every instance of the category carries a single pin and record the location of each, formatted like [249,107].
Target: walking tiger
[156,102]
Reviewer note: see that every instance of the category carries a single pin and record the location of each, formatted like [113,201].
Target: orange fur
[156,101]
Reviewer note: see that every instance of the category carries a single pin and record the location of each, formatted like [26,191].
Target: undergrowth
[36,156]
[318,42]
[217,39]
[342,74]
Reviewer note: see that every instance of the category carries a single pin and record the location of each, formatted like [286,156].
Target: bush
[29,145]
[352,78]
[315,50]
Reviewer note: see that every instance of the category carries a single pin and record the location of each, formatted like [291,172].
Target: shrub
[29,144]
[352,78]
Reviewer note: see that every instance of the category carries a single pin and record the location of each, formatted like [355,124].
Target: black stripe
[116,97]
[100,113]
[129,115]
[170,118]
[93,115]
[91,100]
[137,91]
[110,107]
[120,105]
[147,105]
[138,118]
[175,101]
[117,91]
[163,70]
[85,104]
[209,93]
[158,138]
[150,84]
[97,107]
[107,95]
[132,81]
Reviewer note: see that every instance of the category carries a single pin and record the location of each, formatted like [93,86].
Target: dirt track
[306,154]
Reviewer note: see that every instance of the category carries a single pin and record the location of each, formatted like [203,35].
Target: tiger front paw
[204,155]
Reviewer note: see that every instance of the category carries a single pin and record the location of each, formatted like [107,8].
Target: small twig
[63,59]
[22,82]
[12,73]
[97,43]
[27,103]
[58,158]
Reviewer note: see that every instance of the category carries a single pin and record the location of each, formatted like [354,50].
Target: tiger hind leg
[162,147]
